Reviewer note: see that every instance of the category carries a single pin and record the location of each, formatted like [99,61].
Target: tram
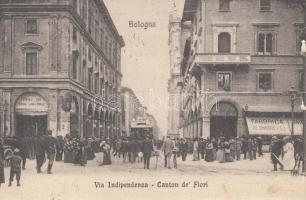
[140,128]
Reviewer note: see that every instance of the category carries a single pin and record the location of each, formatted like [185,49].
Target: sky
[145,57]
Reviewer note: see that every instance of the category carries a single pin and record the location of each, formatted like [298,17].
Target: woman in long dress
[209,155]
[288,151]
[220,152]
[2,180]
[106,154]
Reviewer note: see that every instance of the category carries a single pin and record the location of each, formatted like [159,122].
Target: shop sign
[31,104]
[272,126]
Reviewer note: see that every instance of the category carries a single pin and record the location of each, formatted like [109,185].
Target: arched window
[224,42]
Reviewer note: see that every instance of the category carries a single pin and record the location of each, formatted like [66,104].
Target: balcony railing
[220,59]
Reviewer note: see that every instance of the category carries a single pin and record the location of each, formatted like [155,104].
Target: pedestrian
[107,153]
[254,147]
[40,152]
[259,146]
[227,153]
[288,152]
[250,148]
[22,146]
[2,177]
[209,155]
[184,149]
[133,150]
[59,148]
[175,152]
[244,147]
[147,148]
[124,149]
[195,150]
[238,148]
[220,152]
[51,150]
[15,164]
[202,147]
[276,151]
[232,147]
[167,149]
[100,153]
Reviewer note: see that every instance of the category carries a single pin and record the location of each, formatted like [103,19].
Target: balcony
[221,59]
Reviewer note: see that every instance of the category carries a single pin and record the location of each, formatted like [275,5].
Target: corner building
[59,68]
[238,64]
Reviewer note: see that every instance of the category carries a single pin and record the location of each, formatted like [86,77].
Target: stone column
[206,126]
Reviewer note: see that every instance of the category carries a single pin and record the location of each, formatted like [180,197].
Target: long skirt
[220,156]
[99,158]
[195,155]
[107,158]
[209,156]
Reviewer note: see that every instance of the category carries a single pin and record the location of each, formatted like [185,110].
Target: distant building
[156,130]
[238,64]
[131,109]
[60,68]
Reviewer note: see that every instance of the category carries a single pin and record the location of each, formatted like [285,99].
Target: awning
[276,109]
[273,126]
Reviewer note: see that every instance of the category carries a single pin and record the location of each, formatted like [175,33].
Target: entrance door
[31,125]
[223,120]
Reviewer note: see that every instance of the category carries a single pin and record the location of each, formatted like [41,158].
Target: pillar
[206,127]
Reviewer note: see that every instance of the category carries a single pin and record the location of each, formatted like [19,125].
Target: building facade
[131,109]
[60,68]
[173,87]
[240,61]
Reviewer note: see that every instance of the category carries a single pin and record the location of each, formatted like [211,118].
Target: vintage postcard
[152,99]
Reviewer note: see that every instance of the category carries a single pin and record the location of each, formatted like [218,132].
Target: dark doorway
[223,120]
[31,125]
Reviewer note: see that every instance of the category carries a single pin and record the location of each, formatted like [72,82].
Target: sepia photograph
[152,99]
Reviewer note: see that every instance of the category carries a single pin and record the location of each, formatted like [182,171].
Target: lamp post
[292,94]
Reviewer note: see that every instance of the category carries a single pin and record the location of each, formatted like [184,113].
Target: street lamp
[292,94]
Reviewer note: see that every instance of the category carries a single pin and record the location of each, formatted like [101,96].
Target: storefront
[31,115]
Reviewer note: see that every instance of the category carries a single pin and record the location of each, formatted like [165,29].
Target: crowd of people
[286,152]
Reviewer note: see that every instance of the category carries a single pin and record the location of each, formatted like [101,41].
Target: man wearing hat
[15,162]
[51,149]
[276,150]
[147,148]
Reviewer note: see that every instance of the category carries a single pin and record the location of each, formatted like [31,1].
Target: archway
[31,112]
[223,120]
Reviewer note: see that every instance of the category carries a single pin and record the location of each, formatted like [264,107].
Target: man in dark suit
[276,150]
[39,152]
[22,146]
[51,149]
[147,148]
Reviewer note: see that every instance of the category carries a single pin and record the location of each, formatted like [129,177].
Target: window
[224,80]
[96,31]
[31,26]
[301,80]
[89,54]
[224,42]
[90,22]
[110,51]
[74,64]
[265,5]
[224,5]
[74,35]
[31,63]
[90,77]
[106,45]
[96,83]
[264,82]
[265,44]
[84,72]
[102,39]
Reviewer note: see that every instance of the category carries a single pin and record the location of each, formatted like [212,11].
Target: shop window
[31,26]
[224,80]
[265,81]
[224,5]
[224,42]
[31,63]
[265,5]
[265,44]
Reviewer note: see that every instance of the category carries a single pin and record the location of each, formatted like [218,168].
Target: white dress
[288,159]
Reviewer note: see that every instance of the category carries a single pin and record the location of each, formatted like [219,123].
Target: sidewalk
[260,165]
